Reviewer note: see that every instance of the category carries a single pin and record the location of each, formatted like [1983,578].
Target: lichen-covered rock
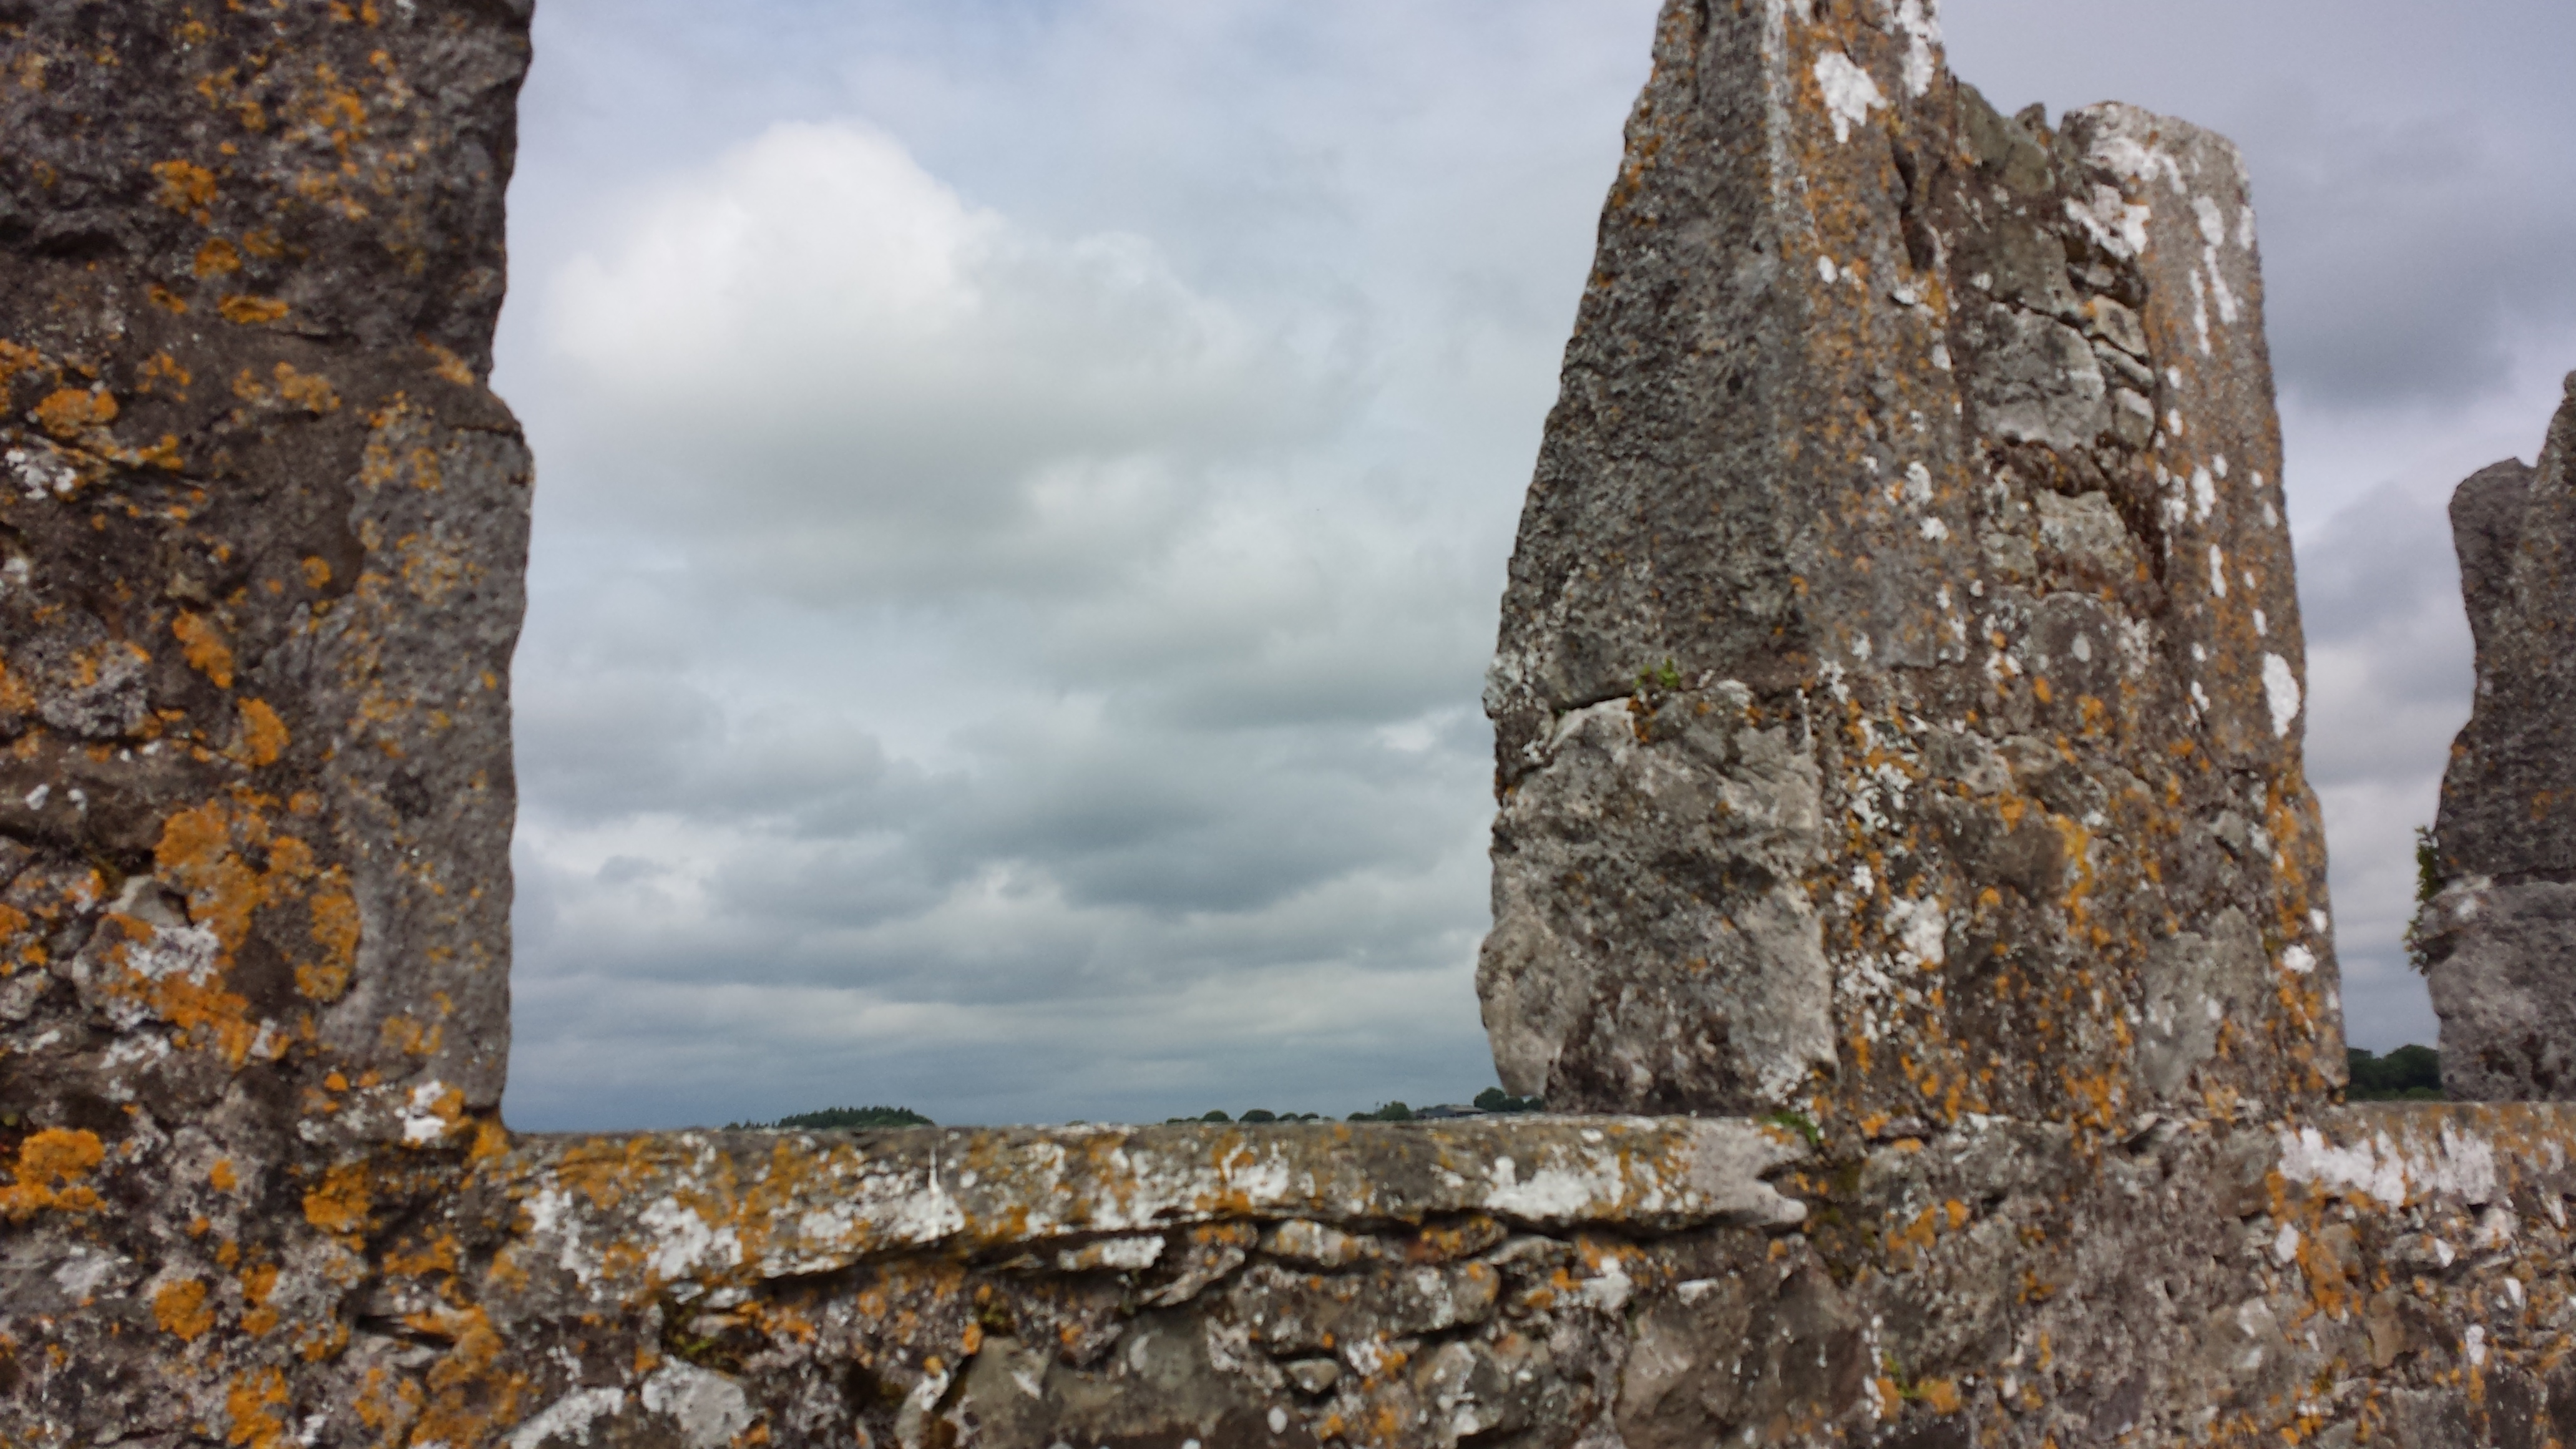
[262,532]
[1898,704]
[2499,937]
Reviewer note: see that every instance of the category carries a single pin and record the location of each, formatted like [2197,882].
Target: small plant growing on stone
[2428,884]
[1798,1122]
[1650,679]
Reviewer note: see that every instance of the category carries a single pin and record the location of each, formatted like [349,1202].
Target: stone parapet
[2391,1274]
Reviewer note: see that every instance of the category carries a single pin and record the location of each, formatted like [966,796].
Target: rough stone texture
[260,557]
[2367,1274]
[262,533]
[1898,702]
[2499,939]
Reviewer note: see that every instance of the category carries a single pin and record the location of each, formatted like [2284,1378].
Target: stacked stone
[1898,700]
[2498,936]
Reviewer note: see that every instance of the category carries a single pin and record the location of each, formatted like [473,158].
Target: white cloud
[848,381]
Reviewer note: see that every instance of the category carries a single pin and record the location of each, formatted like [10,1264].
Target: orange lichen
[250,311]
[194,1001]
[180,1307]
[339,1204]
[308,390]
[448,365]
[253,1404]
[48,1174]
[70,412]
[263,733]
[186,187]
[257,1283]
[161,367]
[206,650]
[217,258]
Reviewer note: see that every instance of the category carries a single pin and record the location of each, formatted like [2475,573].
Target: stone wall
[263,533]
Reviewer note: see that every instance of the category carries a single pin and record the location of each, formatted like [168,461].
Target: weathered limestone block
[2499,940]
[1898,702]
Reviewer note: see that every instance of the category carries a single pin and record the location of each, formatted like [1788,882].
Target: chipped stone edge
[708,1205]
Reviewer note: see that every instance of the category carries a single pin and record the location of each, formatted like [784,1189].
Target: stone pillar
[262,532]
[2498,938]
[1898,702]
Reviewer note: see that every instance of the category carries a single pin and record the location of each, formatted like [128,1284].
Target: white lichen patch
[2114,223]
[1920,929]
[2458,1166]
[428,1113]
[42,472]
[568,1419]
[1114,1255]
[1850,94]
[175,951]
[2281,690]
[685,1243]
[709,1409]
[2218,288]
[1920,23]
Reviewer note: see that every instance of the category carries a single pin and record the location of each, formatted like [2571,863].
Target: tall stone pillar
[262,533]
[1898,703]
[2499,938]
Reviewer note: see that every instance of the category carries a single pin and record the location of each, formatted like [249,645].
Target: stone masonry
[1898,702]
[261,547]
[2499,939]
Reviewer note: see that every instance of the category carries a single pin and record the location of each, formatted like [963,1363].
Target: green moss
[1797,1122]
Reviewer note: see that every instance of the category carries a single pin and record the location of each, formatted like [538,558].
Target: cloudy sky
[1025,487]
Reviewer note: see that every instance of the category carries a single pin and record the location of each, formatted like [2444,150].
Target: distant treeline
[2408,1074]
[1492,1099]
[838,1119]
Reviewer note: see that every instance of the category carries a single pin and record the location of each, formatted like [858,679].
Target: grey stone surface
[2498,940]
[2503,979]
[1900,672]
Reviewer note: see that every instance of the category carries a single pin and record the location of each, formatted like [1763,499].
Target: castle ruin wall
[261,556]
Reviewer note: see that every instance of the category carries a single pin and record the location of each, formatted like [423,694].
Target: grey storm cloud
[1024,489]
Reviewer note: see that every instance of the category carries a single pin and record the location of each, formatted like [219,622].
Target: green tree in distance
[2408,1074]
[839,1119]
